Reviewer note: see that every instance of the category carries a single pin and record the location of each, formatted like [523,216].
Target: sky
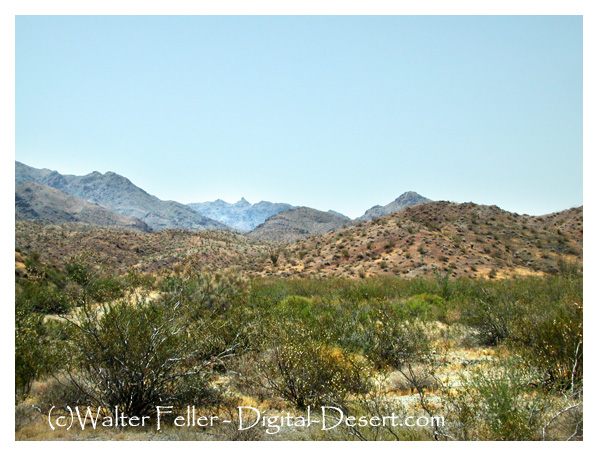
[331,112]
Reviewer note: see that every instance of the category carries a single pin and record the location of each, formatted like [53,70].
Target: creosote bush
[496,403]
[138,355]
[314,374]
[136,341]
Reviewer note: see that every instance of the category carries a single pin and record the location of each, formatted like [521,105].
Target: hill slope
[120,195]
[241,215]
[456,239]
[118,250]
[403,201]
[298,223]
[40,202]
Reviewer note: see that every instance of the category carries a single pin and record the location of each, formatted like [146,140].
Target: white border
[456,7]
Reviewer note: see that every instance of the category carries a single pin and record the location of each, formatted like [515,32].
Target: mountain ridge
[40,202]
[241,215]
[298,223]
[118,194]
[405,200]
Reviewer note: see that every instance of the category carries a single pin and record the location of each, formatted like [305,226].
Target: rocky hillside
[118,250]
[335,213]
[40,202]
[439,237]
[298,223]
[242,215]
[456,239]
[118,194]
[403,201]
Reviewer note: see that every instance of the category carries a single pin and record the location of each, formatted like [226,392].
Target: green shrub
[387,339]
[491,316]
[205,293]
[550,339]
[137,356]
[105,288]
[425,305]
[36,352]
[308,373]
[497,403]
[43,297]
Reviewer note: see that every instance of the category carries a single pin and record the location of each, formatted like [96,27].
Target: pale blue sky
[330,112]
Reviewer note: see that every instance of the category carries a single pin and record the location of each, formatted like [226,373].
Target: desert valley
[418,308]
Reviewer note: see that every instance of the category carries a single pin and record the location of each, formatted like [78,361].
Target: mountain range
[459,240]
[242,215]
[117,194]
[40,202]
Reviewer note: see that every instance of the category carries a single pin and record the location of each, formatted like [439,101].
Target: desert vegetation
[461,240]
[498,359]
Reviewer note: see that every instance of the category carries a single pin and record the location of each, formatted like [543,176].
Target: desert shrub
[309,373]
[43,296]
[205,292]
[104,288]
[36,349]
[29,360]
[491,316]
[294,312]
[550,338]
[139,355]
[375,288]
[265,293]
[496,403]
[388,340]
[80,270]
[296,305]
[425,305]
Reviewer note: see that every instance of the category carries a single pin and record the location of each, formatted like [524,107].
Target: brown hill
[298,223]
[40,202]
[458,239]
[117,250]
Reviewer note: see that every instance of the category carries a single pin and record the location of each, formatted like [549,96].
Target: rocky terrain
[409,237]
[460,240]
[298,223]
[117,250]
[39,202]
[116,193]
[403,201]
[242,215]
[456,239]
[335,213]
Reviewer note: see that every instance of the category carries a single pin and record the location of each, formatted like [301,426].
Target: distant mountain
[335,213]
[298,223]
[39,202]
[403,201]
[241,215]
[120,195]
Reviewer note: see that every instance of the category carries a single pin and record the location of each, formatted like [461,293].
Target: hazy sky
[329,112]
